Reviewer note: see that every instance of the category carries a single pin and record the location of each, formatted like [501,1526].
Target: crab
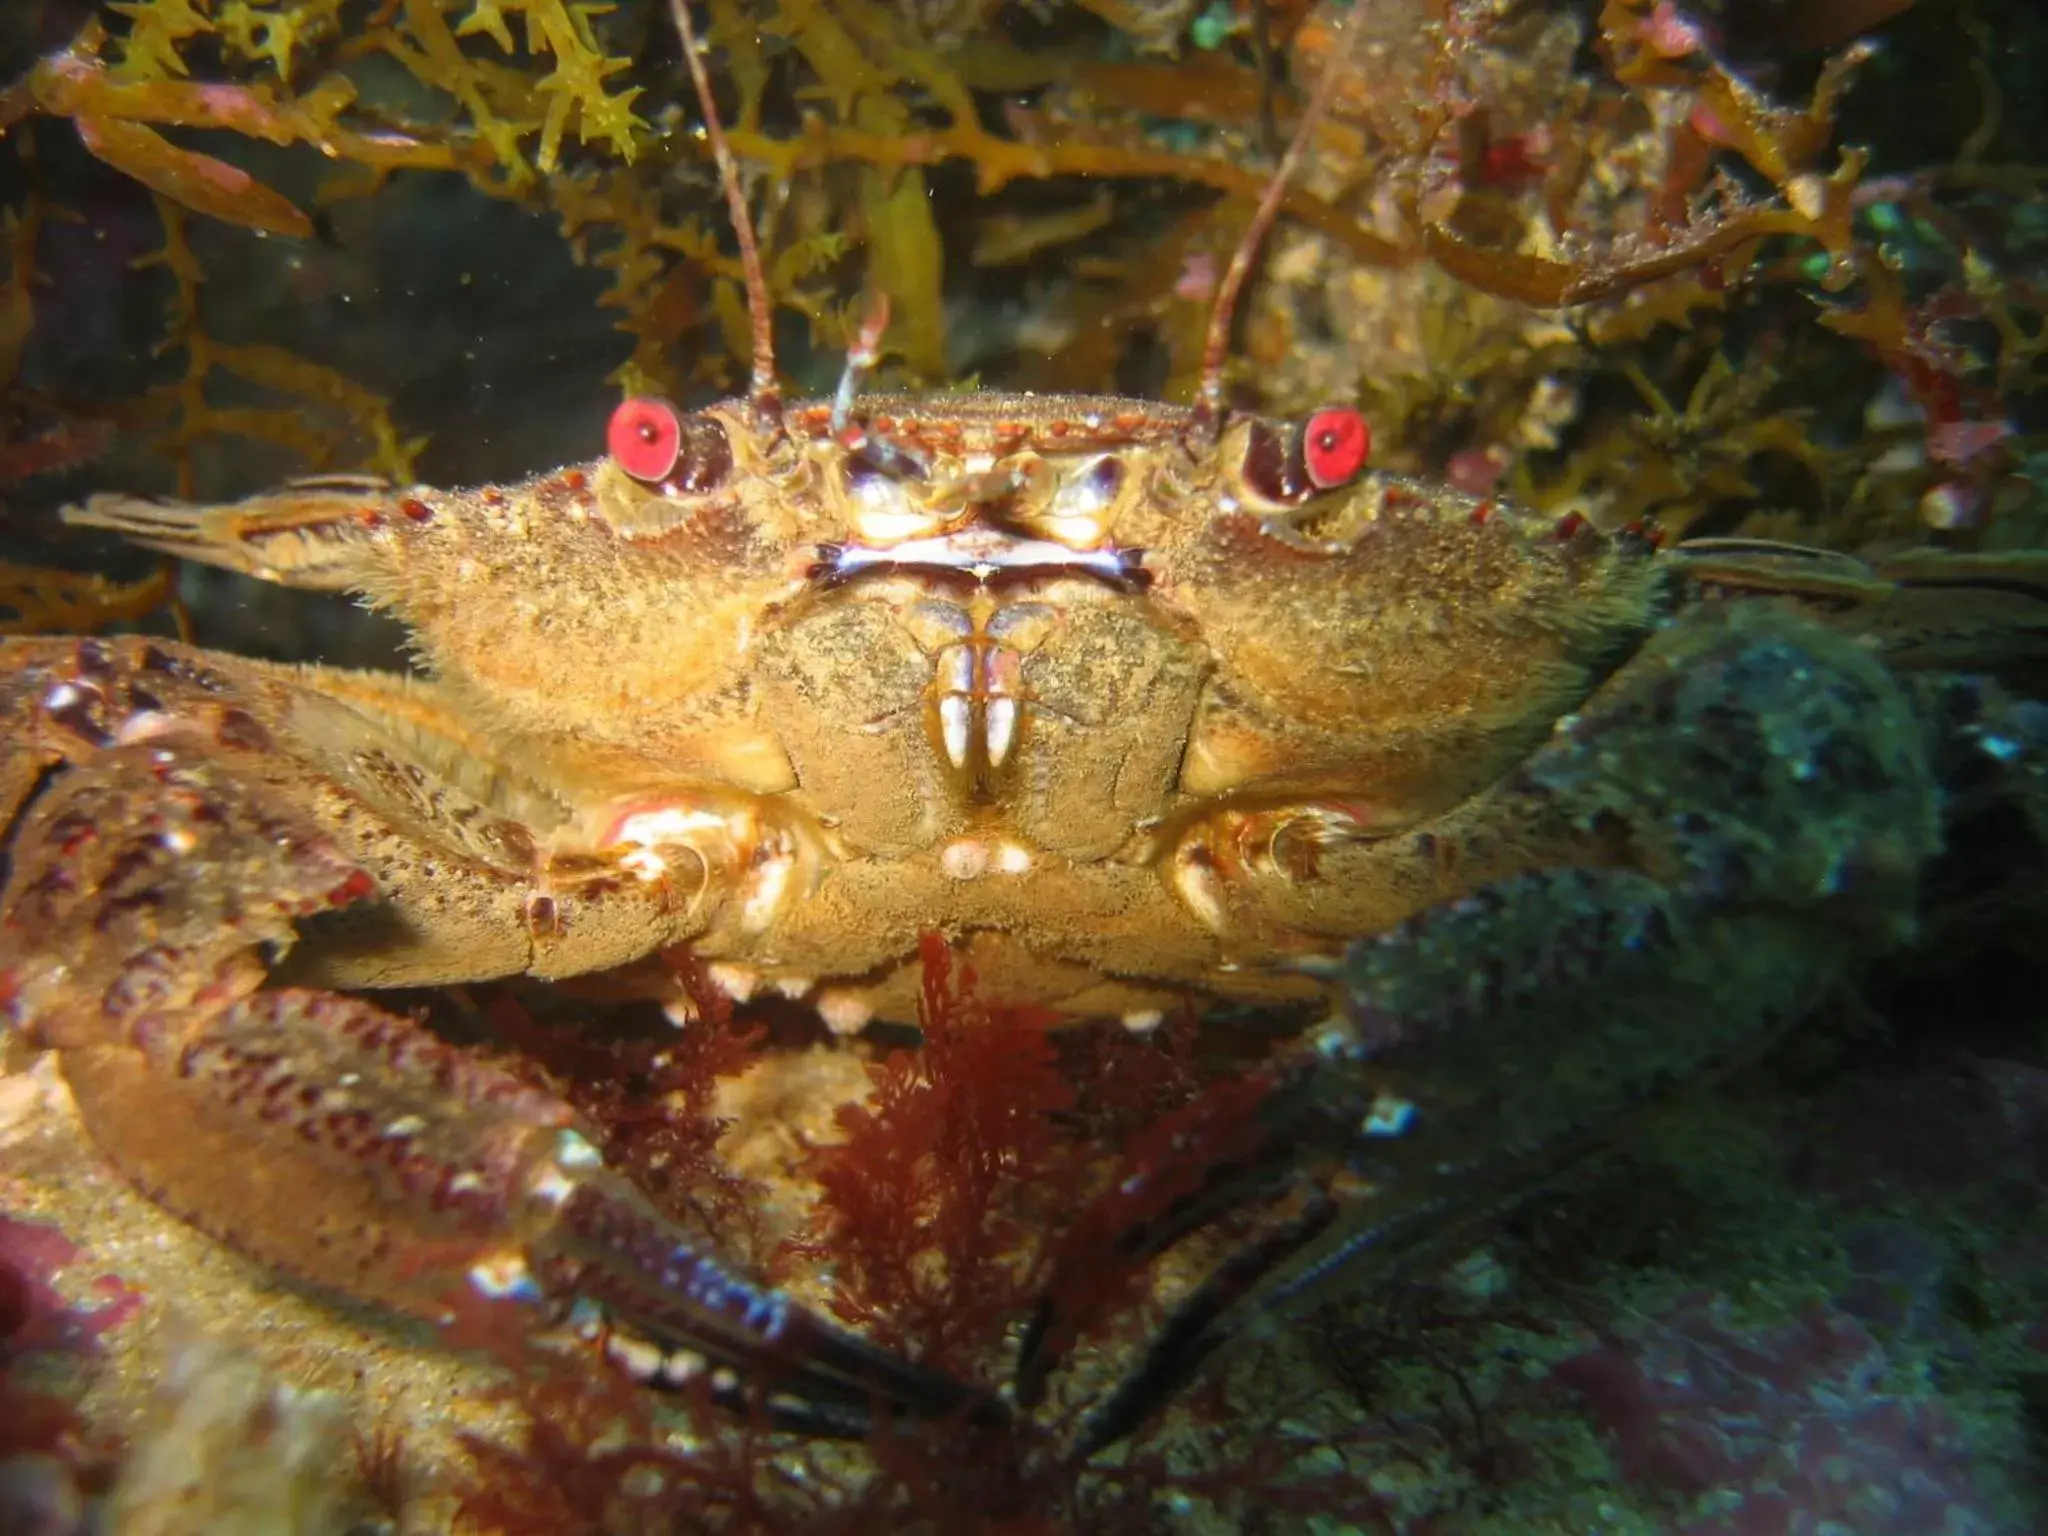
[1135,704]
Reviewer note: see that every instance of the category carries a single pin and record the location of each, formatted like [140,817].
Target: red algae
[51,1459]
[942,1180]
[34,1315]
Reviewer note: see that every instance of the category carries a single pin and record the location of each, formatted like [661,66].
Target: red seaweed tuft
[33,1314]
[930,1204]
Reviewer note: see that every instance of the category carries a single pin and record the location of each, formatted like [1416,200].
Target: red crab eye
[644,438]
[1334,445]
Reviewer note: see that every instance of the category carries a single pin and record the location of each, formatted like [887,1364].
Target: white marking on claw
[575,1151]
[638,1359]
[63,696]
[683,1366]
[504,1277]
[404,1126]
[2003,748]
[1334,1039]
[1390,1115]
[1142,1021]
[1013,859]
[551,1186]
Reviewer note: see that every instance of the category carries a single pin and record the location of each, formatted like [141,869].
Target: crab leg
[1496,1039]
[153,856]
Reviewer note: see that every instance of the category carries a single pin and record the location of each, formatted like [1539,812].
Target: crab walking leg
[1496,1038]
[318,1133]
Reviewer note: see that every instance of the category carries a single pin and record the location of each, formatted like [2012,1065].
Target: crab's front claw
[1266,1142]
[1377,1146]
[1488,1044]
[146,870]
[1737,821]
[325,1136]
[674,1316]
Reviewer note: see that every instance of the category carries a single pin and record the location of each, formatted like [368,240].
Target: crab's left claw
[1243,1145]
[1749,805]
[1256,1143]
[1375,1149]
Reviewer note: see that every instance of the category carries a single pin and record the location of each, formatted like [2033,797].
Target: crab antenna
[762,391]
[1209,397]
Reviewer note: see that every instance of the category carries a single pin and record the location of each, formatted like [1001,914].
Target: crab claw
[324,1136]
[1351,1166]
[1259,1142]
[329,1138]
[1388,1141]
[1321,1155]
[334,1140]
[1383,1144]
[673,1316]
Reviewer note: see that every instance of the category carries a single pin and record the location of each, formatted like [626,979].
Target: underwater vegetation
[1749,269]
[1599,255]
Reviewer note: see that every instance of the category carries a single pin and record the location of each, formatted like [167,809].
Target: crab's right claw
[156,841]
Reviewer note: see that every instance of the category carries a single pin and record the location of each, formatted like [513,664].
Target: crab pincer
[1490,1043]
[158,853]
[674,1316]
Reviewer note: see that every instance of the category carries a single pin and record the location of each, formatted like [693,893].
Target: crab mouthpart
[984,556]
